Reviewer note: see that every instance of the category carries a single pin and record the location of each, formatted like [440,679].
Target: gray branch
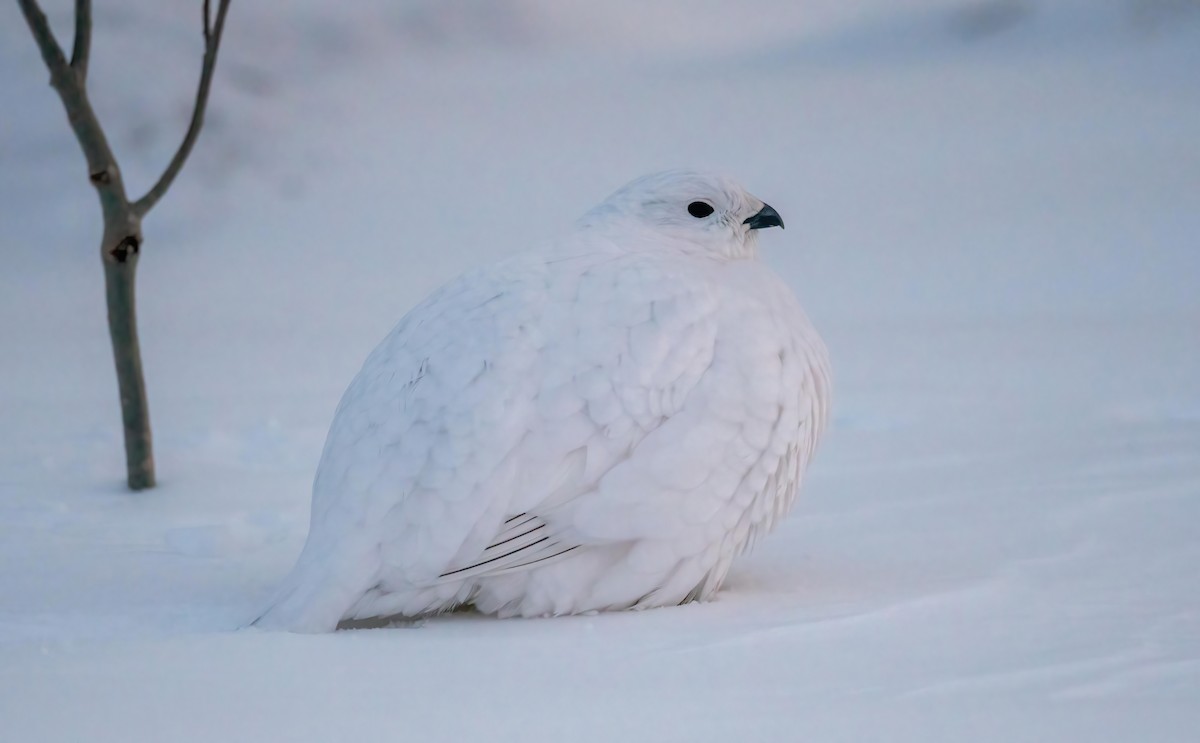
[212,42]
[83,38]
[69,84]
[44,37]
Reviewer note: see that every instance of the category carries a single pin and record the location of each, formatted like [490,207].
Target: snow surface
[993,210]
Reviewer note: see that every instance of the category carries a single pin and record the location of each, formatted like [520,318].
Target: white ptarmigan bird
[602,425]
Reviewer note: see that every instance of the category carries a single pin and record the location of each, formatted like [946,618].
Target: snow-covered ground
[993,215]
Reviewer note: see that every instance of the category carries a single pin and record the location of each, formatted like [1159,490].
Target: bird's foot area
[392,622]
[400,621]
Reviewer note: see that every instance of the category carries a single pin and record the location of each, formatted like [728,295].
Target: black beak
[766,217]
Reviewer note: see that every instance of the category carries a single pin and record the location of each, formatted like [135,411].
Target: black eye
[699,209]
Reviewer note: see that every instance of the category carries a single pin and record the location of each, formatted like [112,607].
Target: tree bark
[119,285]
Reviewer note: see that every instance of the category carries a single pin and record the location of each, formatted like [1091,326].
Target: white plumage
[602,425]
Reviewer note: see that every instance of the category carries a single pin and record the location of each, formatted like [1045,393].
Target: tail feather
[319,593]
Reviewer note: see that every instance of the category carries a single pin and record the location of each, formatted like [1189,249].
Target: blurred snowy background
[993,213]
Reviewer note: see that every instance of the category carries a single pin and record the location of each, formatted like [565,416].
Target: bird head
[689,211]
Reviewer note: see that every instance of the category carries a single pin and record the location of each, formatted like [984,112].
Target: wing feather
[524,541]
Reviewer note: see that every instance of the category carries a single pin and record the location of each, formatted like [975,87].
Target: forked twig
[212,42]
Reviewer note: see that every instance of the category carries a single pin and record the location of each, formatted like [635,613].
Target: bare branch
[212,42]
[83,38]
[67,82]
[52,54]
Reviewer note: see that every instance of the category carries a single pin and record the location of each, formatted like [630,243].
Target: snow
[992,214]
